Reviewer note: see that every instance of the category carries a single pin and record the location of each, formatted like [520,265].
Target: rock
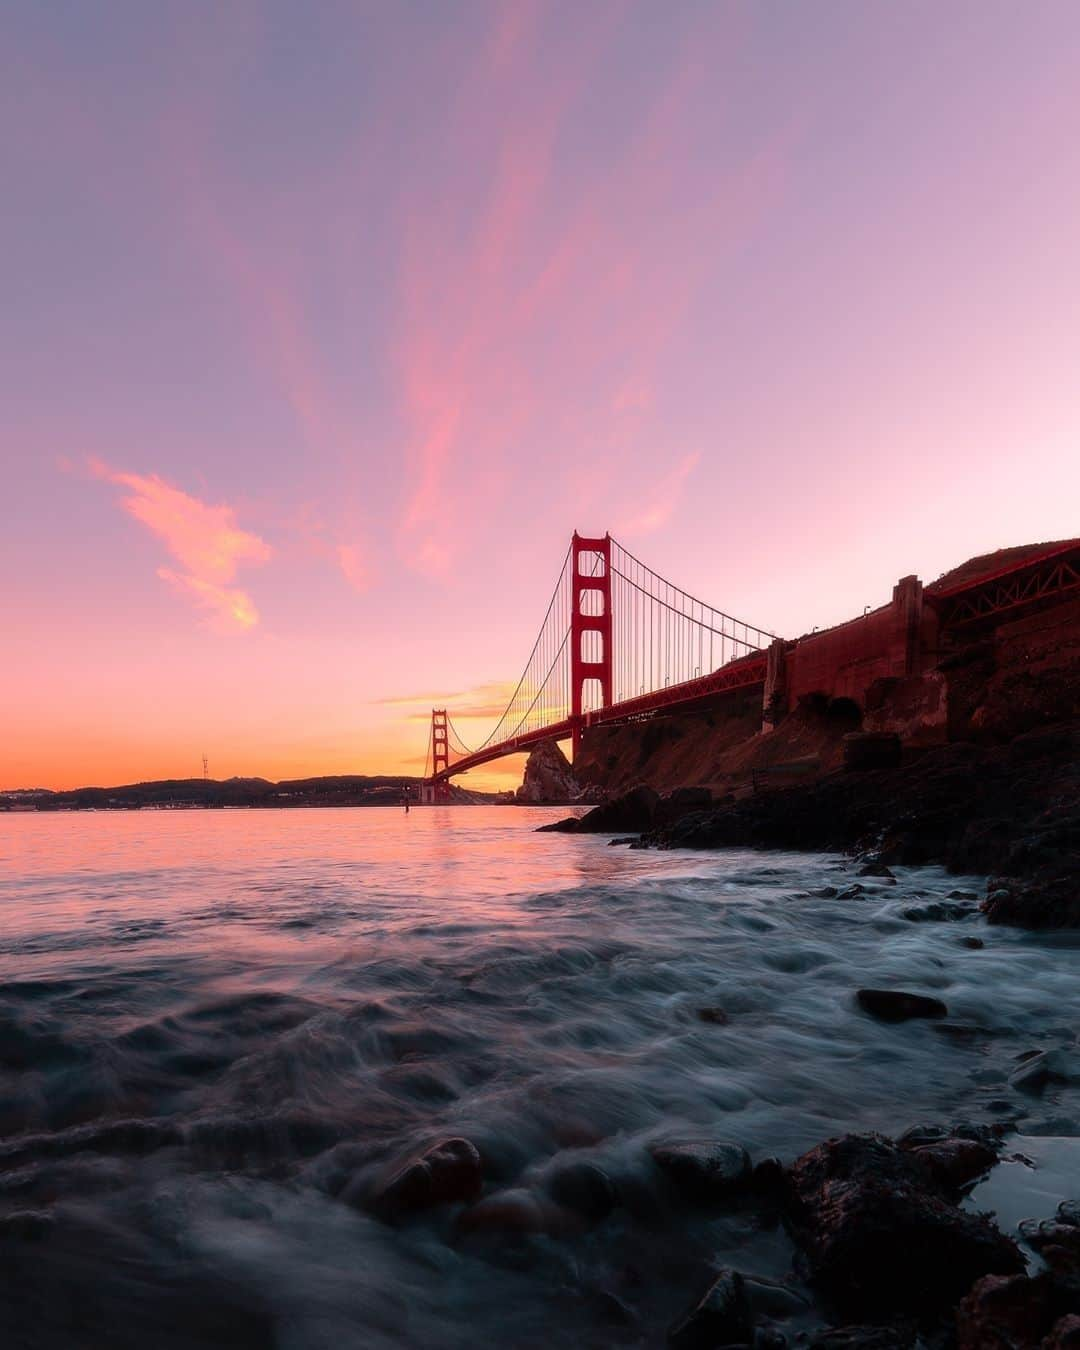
[770,1298]
[517,1210]
[895,1005]
[716,1016]
[825,893]
[682,802]
[446,1173]
[26,1225]
[1050,898]
[721,1317]
[954,1163]
[861,1338]
[853,892]
[1069,1212]
[875,869]
[1002,1312]
[584,1188]
[769,1178]
[1043,1067]
[940,911]
[705,1170]
[1057,1243]
[881,1235]
[961,895]
[871,750]
[548,779]
[975,944]
[1064,1335]
[634,810]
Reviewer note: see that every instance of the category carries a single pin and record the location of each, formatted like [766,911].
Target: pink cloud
[664,502]
[354,566]
[229,606]
[205,539]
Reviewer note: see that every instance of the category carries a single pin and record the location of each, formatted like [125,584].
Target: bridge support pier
[590,630]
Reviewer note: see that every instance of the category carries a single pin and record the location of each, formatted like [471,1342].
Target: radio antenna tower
[205,769]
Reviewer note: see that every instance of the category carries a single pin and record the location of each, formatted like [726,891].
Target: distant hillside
[179,793]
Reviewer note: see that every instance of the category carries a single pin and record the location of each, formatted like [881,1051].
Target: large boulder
[881,1234]
[549,780]
[634,811]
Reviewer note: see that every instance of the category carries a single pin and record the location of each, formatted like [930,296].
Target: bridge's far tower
[590,630]
[439,788]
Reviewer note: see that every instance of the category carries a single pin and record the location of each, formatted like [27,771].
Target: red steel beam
[744,673]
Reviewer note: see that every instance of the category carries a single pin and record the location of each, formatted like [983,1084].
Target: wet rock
[1049,899]
[1064,1335]
[721,1317]
[940,911]
[975,944]
[876,869]
[1057,1243]
[769,1178]
[1069,1212]
[1042,1068]
[961,895]
[705,1170]
[896,1005]
[634,810]
[770,1298]
[26,1225]
[717,1017]
[683,801]
[1002,1312]
[881,1236]
[826,893]
[861,1338]
[446,1173]
[584,1188]
[854,892]
[520,1211]
[955,1163]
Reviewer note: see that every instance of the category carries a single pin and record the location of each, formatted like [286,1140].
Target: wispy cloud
[205,539]
[665,500]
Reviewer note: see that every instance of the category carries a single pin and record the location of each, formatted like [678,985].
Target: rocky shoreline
[1010,812]
[887,1253]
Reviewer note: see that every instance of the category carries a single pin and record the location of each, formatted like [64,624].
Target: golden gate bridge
[618,642]
[621,643]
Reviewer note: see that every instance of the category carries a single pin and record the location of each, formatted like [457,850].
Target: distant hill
[180,793]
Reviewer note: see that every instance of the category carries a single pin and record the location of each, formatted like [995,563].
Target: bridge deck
[740,674]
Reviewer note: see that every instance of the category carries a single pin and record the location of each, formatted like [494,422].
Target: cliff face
[993,681]
[718,748]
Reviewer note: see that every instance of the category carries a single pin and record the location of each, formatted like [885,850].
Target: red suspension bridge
[618,643]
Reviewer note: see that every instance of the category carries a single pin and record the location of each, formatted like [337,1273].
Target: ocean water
[218,1028]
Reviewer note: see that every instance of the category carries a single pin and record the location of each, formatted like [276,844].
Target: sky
[324,326]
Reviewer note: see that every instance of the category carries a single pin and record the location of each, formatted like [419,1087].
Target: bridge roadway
[743,673]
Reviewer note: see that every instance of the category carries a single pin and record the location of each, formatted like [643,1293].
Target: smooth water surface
[217,1027]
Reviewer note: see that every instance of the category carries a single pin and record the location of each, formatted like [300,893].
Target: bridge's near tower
[590,631]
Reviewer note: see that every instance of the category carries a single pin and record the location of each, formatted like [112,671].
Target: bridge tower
[437,789]
[590,630]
